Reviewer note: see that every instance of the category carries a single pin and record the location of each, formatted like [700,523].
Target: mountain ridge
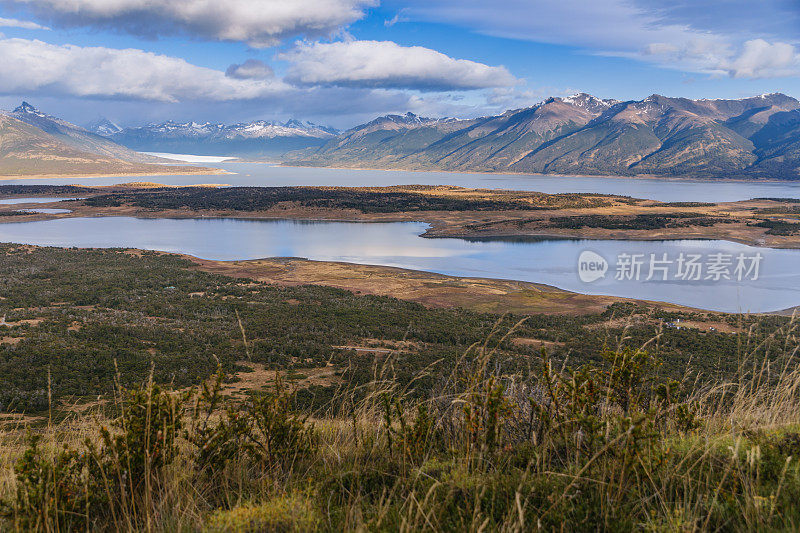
[77,137]
[33,143]
[754,137]
[245,139]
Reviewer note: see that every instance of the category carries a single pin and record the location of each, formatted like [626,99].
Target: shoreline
[729,221]
[210,171]
[429,288]
[488,225]
[544,295]
[553,175]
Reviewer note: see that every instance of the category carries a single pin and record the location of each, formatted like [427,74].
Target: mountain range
[35,143]
[255,139]
[750,138]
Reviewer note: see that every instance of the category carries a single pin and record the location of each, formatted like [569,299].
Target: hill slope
[77,137]
[26,150]
[755,137]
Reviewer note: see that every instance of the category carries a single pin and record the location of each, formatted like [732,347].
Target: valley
[34,145]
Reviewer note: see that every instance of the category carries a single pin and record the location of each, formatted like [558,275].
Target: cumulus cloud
[252,69]
[386,64]
[259,23]
[43,68]
[24,24]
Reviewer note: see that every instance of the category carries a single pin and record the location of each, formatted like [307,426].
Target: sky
[344,62]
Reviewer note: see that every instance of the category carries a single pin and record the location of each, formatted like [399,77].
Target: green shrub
[53,490]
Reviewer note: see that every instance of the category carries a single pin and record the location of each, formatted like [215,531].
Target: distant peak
[103,126]
[585,101]
[25,107]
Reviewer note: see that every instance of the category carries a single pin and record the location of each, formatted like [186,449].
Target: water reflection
[553,262]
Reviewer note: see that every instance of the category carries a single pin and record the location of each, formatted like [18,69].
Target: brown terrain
[433,290]
[28,152]
[438,290]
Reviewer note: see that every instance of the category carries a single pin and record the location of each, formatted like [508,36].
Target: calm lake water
[554,262]
[40,200]
[266,175]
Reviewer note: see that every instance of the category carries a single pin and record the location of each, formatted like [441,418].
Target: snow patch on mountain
[103,126]
[260,129]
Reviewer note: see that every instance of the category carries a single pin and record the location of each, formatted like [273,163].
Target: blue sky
[342,62]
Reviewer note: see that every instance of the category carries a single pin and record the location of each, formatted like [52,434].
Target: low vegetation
[637,222]
[779,227]
[130,370]
[86,314]
[609,446]
[383,200]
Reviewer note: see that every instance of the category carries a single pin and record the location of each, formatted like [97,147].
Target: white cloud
[259,23]
[611,25]
[503,99]
[760,59]
[388,65]
[754,59]
[42,68]
[24,24]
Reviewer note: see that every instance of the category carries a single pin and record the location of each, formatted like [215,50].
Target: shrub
[53,490]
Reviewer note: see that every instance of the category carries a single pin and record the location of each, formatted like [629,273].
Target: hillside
[755,138]
[77,137]
[26,150]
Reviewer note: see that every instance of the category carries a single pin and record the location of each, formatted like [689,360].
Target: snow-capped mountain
[588,102]
[249,139]
[757,137]
[75,136]
[103,126]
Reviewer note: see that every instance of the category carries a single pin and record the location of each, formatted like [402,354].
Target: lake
[553,262]
[40,200]
[268,175]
